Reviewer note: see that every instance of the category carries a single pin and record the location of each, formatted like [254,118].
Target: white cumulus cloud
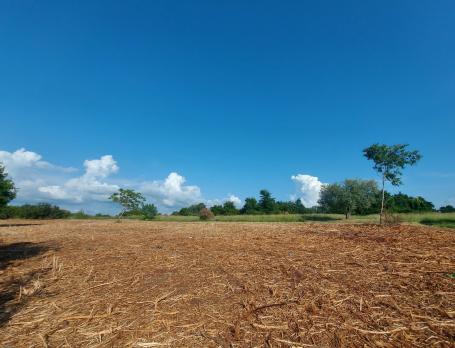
[39,180]
[101,168]
[236,200]
[230,198]
[20,160]
[172,191]
[308,189]
[87,187]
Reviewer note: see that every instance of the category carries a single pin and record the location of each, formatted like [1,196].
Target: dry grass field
[171,284]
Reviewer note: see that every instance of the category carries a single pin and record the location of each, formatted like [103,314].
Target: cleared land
[158,284]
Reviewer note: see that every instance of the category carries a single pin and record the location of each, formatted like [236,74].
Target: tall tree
[7,188]
[128,199]
[267,203]
[389,161]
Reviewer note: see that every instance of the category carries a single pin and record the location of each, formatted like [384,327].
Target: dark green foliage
[229,208]
[192,210]
[291,207]
[350,197]
[251,207]
[205,214]
[267,203]
[319,218]
[401,203]
[7,188]
[217,209]
[449,222]
[37,211]
[149,211]
[8,212]
[447,209]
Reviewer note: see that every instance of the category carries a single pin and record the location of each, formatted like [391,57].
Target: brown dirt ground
[158,284]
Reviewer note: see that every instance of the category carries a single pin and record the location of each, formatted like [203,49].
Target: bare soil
[168,284]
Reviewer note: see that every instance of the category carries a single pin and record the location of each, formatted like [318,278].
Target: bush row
[34,211]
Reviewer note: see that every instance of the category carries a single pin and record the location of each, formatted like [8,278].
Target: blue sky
[233,96]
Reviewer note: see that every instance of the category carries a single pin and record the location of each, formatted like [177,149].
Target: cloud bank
[89,186]
[308,189]
[39,180]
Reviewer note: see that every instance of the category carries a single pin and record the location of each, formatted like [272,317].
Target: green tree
[267,203]
[129,200]
[229,208]
[401,203]
[192,210]
[250,207]
[299,207]
[217,209]
[447,209]
[389,161]
[149,211]
[7,188]
[353,196]
[290,207]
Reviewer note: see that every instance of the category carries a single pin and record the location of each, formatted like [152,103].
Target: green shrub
[38,211]
[447,209]
[149,211]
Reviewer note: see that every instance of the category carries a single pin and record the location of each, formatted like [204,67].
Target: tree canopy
[447,209]
[353,196]
[130,200]
[7,188]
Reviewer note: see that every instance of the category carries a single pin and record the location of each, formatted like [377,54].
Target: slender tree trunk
[120,216]
[382,200]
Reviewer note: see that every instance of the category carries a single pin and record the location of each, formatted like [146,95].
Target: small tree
[7,188]
[267,203]
[389,161]
[128,199]
[149,211]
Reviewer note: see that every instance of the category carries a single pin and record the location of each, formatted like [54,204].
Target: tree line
[265,205]
[351,197]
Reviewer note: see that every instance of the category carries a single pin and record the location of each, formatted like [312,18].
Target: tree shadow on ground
[447,222]
[19,251]
[320,218]
[17,225]
[10,288]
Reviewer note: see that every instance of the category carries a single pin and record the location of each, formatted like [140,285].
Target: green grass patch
[449,223]
[428,219]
